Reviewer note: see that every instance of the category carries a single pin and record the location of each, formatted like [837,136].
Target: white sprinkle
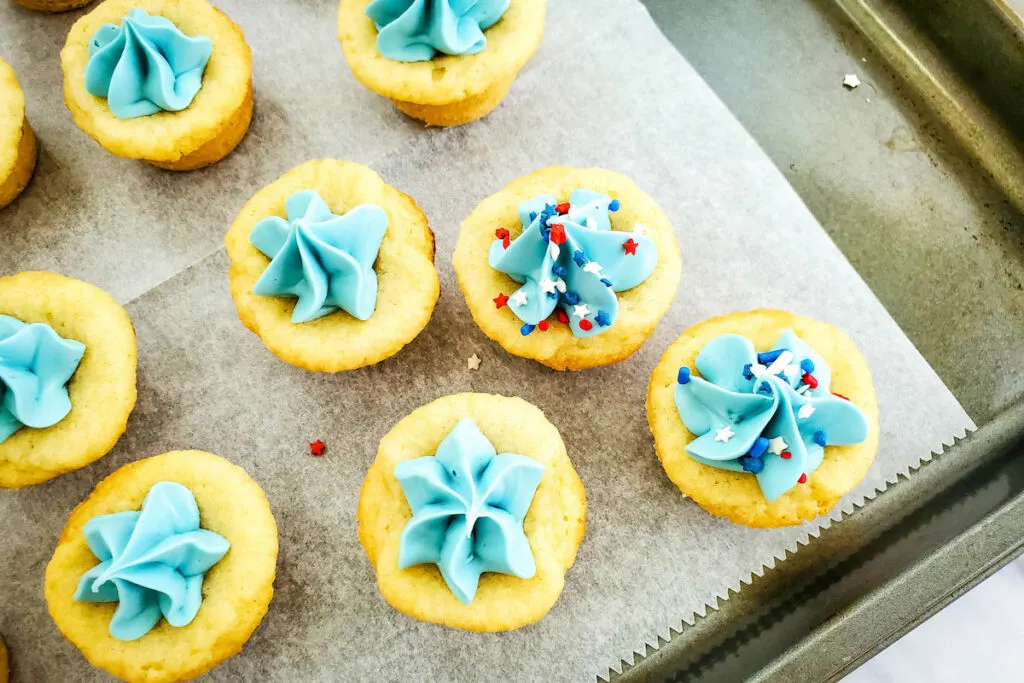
[851,81]
[547,285]
[560,285]
[777,445]
[724,434]
[757,369]
[519,298]
[473,362]
[553,251]
[791,370]
[804,388]
[639,229]
[592,267]
[781,362]
[806,410]
[581,310]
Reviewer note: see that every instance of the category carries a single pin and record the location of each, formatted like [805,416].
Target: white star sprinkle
[639,229]
[560,285]
[592,267]
[473,362]
[806,410]
[547,285]
[553,250]
[581,310]
[724,434]
[851,81]
[519,298]
[777,445]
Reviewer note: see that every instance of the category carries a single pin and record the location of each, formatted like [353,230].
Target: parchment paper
[605,89]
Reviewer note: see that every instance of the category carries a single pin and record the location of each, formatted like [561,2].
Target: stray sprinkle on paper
[473,362]
[317,447]
[851,81]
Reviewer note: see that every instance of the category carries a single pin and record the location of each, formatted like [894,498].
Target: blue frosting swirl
[36,365]
[323,259]
[468,504]
[151,562]
[145,65]
[416,30]
[770,413]
[569,257]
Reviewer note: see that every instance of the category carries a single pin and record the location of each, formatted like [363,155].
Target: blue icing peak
[145,65]
[35,367]
[468,504]
[568,257]
[765,419]
[151,562]
[323,259]
[416,30]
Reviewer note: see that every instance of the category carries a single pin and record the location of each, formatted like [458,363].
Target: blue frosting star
[416,30]
[151,562]
[468,504]
[764,403]
[36,365]
[593,258]
[323,259]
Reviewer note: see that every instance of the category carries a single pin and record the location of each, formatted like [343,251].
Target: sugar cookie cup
[18,149]
[633,216]
[236,590]
[554,523]
[209,128]
[448,90]
[53,5]
[738,495]
[102,389]
[406,280]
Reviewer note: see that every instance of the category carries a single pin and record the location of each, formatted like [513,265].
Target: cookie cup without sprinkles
[554,523]
[736,495]
[640,308]
[407,282]
[18,148]
[448,90]
[200,135]
[102,390]
[236,591]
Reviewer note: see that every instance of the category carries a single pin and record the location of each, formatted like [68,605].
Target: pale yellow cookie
[17,141]
[53,5]
[236,591]
[736,495]
[640,308]
[407,282]
[202,134]
[102,390]
[449,90]
[554,524]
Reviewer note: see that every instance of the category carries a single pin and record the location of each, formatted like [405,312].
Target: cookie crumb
[473,362]
[851,81]
[318,447]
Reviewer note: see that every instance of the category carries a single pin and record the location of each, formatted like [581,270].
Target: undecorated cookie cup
[463,432]
[202,133]
[101,390]
[727,376]
[448,90]
[588,327]
[401,274]
[236,591]
[53,5]
[18,148]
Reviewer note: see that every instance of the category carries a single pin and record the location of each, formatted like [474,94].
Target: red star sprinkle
[562,208]
[840,396]
[500,300]
[630,246]
[586,325]
[558,233]
[562,317]
[543,325]
[803,478]
[786,455]
[317,447]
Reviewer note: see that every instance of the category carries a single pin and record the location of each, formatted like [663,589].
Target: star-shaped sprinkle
[581,310]
[851,81]
[777,445]
[318,447]
[806,410]
[473,362]
[602,319]
[519,298]
[557,234]
[724,434]
[630,246]
[592,267]
[547,285]
[500,301]
[580,258]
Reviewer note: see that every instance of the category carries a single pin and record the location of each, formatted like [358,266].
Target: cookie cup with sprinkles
[139,106]
[570,267]
[443,77]
[18,149]
[53,5]
[472,513]
[766,418]
[212,513]
[332,267]
[67,374]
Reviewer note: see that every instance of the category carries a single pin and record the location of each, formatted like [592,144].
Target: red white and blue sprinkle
[684,375]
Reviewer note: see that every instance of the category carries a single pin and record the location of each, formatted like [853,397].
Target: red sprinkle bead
[542,326]
[558,233]
[786,455]
[586,325]
[630,246]
[562,208]
[317,447]
[840,396]
[562,317]
[810,380]
[500,301]
[503,235]
[802,479]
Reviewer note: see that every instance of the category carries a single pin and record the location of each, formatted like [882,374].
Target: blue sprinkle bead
[759,448]
[807,365]
[684,375]
[559,271]
[752,465]
[572,298]
[580,258]
[606,282]
[527,329]
[765,388]
[819,438]
[747,374]
[769,357]
[614,205]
